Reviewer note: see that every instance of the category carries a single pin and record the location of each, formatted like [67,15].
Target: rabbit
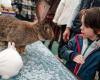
[23,33]
[10,61]
[5,20]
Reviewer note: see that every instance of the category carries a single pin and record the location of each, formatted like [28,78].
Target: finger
[66,37]
[79,59]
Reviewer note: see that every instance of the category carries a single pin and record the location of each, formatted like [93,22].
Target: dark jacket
[92,61]
[85,4]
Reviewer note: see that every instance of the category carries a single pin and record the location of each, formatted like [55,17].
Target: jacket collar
[94,46]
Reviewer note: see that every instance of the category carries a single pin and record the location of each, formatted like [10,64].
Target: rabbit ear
[9,44]
[13,44]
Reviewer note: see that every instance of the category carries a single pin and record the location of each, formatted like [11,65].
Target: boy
[83,51]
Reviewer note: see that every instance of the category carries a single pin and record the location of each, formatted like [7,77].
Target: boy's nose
[81,27]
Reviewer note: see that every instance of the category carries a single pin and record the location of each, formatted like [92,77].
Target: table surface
[41,64]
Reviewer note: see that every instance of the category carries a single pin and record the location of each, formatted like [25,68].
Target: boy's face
[87,32]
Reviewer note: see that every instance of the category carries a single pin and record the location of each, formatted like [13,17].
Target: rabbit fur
[23,32]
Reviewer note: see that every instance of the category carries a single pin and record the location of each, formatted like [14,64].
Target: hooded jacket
[90,53]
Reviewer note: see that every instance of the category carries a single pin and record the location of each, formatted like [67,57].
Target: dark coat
[85,4]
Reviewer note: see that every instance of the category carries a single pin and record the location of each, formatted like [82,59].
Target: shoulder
[77,37]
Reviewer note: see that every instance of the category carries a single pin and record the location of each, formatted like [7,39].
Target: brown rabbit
[4,22]
[23,33]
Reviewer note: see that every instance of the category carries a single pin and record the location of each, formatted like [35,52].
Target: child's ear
[98,31]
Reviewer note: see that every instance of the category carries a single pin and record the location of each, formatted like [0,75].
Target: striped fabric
[25,8]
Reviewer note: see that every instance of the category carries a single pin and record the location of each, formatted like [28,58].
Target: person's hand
[66,34]
[79,59]
[5,8]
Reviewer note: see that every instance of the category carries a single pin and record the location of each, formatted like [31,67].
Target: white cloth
[6,3]
[10,62]
[66,12]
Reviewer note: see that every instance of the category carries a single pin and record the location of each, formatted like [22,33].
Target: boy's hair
[92,18]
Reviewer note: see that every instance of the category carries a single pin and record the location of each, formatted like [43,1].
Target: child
[83,51]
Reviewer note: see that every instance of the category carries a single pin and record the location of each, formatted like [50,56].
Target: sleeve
[68,51]
[73,11]
[59,11]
